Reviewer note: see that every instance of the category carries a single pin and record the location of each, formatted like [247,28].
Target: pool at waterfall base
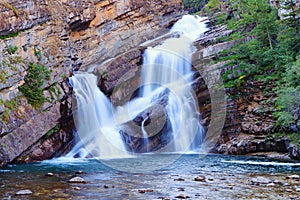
[219,177]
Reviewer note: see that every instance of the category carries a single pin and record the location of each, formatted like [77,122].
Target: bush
[34,82]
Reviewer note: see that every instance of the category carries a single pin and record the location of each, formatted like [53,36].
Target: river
[226,177]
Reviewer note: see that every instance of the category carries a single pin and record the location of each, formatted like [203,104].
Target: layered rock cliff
[64,36]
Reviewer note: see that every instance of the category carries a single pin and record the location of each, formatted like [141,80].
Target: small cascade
[145,136]
[169,65]
[94,121]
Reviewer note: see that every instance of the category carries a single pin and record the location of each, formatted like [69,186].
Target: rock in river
[24,192]
[77,180]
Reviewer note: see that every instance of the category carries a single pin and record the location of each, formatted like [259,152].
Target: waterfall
[94,121]
[165,66]
[169,65]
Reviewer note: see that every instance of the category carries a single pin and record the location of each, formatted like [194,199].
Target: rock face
[64,36]
[249,123]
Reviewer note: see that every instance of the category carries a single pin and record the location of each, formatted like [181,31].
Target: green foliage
[38,54]
[34,82]
[288,102]
[54,92]
[55,129]
[269,53]
[212,6]
[12,35]
[9,106]
[193,6]
[3,75]
[12,49]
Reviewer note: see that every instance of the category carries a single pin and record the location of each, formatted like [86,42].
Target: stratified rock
[77,180]
[24,192]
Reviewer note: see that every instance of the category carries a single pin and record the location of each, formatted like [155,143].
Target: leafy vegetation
[270,52]
[194,6]
[33,86]
[12,49]
[3,37]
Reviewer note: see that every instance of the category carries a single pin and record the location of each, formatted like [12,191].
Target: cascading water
[94,120]
[164,66]
[169,65]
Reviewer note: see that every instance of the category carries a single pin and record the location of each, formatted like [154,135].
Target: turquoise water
[165,176]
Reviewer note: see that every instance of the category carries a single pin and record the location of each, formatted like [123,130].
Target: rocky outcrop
[249,126]
[63,36]
[156,124]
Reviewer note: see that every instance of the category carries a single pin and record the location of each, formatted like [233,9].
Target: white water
[93,120]
[167,66]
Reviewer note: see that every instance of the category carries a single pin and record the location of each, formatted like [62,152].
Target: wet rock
[200,179]
[181,189]
[77,180]
[106,186]
[24,192]
[260,181]
[49,174]
[142,191]
[179,179]
[294,177]
[76,188]
[182,196]
[210,179]
[79,172]
[271,184]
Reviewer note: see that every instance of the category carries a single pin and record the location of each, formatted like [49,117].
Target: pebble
[181,189]
[24,192]
[49,174]
[76,188]
[106,186]
[179,179]
[260,180]
[77,180]
[79,172]
[144,190]
[271,184]
[295,177]
[182,196]
[200,179]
